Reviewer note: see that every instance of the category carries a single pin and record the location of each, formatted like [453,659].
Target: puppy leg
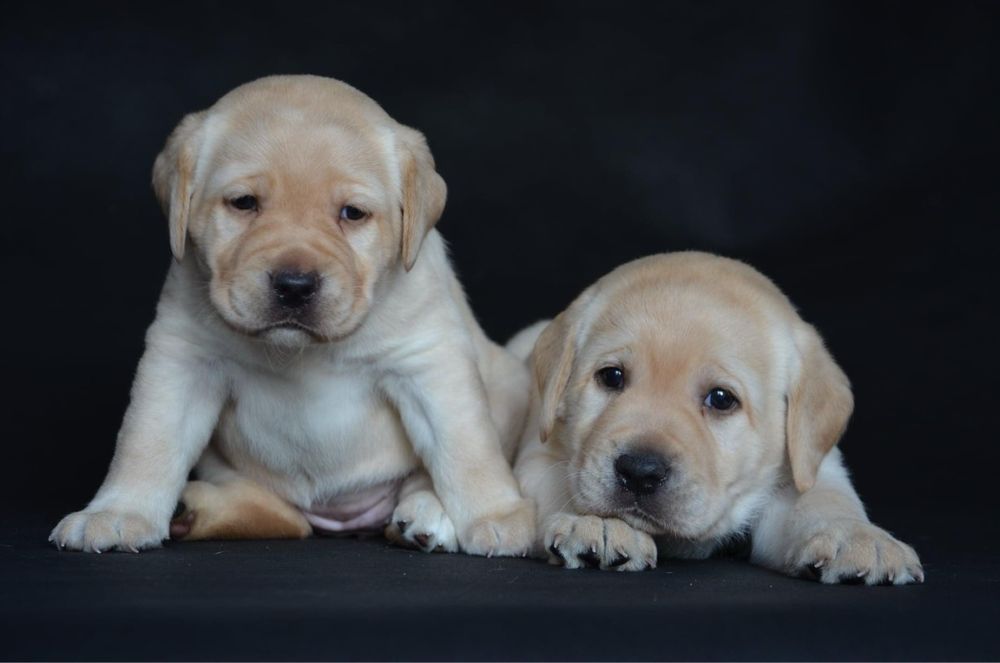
[236,509]
[176,399]
[447,418]
[543,475]
[508,390]
[419,520]
[824,533]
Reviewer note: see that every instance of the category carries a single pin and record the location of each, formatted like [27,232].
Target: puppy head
[682,387]
[298,195]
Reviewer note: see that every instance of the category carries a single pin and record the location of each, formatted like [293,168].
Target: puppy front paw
[97,531]
[420,521]
[508,534]
[855,551]
[606,543]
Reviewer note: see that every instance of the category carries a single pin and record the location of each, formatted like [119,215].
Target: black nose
[641,473]
[294,289]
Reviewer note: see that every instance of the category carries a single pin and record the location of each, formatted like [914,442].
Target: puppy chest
[325,428]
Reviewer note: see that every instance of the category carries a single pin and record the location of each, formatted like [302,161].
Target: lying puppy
[312,353]
[682,402]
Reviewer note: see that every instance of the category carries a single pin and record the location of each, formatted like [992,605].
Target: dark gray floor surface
[361,599]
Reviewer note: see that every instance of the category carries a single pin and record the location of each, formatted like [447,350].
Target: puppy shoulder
[185,323]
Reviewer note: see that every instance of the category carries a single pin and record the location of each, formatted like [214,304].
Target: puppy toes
[590,541]
[420,521]
[198,499]
[509,534]
[182,522]
[856,552]
[98,531]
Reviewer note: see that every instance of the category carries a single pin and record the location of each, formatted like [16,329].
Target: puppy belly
[366,510]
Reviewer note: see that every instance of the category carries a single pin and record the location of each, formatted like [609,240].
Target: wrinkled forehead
[678,328]
[300,144]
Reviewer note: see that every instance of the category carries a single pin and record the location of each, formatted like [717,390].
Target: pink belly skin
[365,510]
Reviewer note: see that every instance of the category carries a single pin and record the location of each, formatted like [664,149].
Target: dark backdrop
[848,150]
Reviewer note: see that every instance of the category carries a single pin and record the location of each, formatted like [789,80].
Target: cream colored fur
[680,325]
[390,381]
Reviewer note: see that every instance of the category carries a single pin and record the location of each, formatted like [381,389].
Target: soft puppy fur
[313,355]
[680,402]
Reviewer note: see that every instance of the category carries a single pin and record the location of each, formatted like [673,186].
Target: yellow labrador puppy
[682,402]
[313,355]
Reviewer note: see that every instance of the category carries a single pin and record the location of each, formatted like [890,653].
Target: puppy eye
[245,203]
[611,377]
[720,399]
[351,213]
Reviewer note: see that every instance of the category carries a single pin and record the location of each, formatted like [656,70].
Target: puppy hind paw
[182,522]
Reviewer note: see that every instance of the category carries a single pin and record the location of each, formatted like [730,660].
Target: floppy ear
[552,361]
[424,193]
[173,177]
[819,404]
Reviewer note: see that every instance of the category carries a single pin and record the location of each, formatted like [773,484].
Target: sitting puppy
[682,402]
[313,354]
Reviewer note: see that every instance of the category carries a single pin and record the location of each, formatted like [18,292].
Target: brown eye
[351,213]
[720,399]
[245,203]
[611,378]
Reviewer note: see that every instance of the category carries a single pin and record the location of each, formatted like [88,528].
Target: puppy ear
[819,404]
[424,193]
[552,362]
[173,177]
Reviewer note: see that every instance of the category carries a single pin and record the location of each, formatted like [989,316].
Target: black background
[849,151]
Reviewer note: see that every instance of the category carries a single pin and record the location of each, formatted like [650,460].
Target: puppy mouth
[642,519]
[291,324]
[670,521]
